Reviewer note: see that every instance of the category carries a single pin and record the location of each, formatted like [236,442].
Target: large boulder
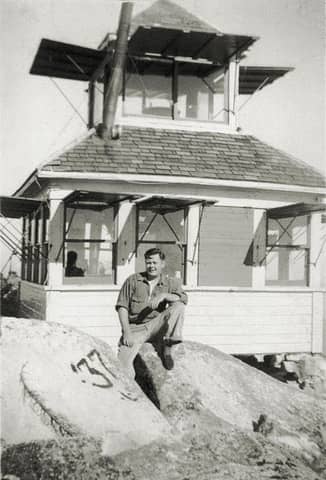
[70,413]
[206,384]
[312,373]
[59,382]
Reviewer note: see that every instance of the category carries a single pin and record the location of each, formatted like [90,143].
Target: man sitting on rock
[150,308]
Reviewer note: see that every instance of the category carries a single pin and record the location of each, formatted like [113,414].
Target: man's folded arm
[123,319]
[177,291]
[125,326]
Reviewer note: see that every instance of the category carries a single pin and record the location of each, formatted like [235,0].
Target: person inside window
[71,269]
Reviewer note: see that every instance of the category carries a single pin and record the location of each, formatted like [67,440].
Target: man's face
[154,266]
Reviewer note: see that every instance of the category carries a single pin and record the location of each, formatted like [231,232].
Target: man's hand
[127,339]
[155,301]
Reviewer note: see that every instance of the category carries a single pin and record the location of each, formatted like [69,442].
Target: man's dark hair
[154,251]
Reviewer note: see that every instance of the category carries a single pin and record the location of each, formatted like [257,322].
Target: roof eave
[176,180]
[26,184]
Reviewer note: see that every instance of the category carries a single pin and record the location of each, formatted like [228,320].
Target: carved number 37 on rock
[90,367]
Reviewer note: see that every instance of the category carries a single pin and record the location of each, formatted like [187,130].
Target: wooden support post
[91,104]
[315,250]
[56,237]
[317,322]
[231,92]
[259,248]
[193,245]
[175,91]
[226,95]
[24,256]
[126,227]
[315,272]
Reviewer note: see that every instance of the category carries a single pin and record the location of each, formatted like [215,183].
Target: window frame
[97,278]
[175,96]
[184,243]
[270,247]
[35,247]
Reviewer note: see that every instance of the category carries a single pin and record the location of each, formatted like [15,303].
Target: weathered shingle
[193,154]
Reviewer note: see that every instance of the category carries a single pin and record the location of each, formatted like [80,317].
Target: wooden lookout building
[239,221]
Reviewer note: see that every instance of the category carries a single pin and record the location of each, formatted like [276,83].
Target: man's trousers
[167,324]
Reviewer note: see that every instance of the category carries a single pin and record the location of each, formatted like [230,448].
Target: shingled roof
[185,153]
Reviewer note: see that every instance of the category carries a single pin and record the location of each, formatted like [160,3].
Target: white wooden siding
[250,322]
[244,322]
[32,300]
[91,311]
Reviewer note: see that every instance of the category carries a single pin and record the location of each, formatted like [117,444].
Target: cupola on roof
[162,30]
[169,30]
[166,14]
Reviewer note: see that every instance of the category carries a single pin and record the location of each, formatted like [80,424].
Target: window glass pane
[157,227]
[89,224]
[89,244]
[201,98]
[272,265]
[45,230]
[31,230]
[297,263]
[216,81]
[225,237]
[36,263]
[93,259]
[174,258]
[286,266]
[44,262]
[148,95]
[29,261]
[288,231]
[36,227]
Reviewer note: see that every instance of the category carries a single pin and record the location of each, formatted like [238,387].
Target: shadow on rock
[77,458]
[207,387]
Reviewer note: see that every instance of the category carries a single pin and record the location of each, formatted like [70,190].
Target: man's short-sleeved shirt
[135,295]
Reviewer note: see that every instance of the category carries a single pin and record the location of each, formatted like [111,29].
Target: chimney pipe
[113,87]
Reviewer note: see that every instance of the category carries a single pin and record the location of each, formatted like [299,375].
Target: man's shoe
[167,358]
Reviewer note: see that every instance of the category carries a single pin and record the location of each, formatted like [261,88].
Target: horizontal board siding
[252,330]
[76,306]
[203,298]
[94,298]
[234,322]
[250,322]
[268,348]
[32,300]
[245,319]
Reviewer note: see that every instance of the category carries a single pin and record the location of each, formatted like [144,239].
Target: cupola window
[179,90]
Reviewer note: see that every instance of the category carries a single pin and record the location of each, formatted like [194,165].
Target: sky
[36,120]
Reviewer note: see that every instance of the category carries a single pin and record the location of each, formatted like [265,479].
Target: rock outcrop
[69,412]
[59,382]
[207,384]
[312,373]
